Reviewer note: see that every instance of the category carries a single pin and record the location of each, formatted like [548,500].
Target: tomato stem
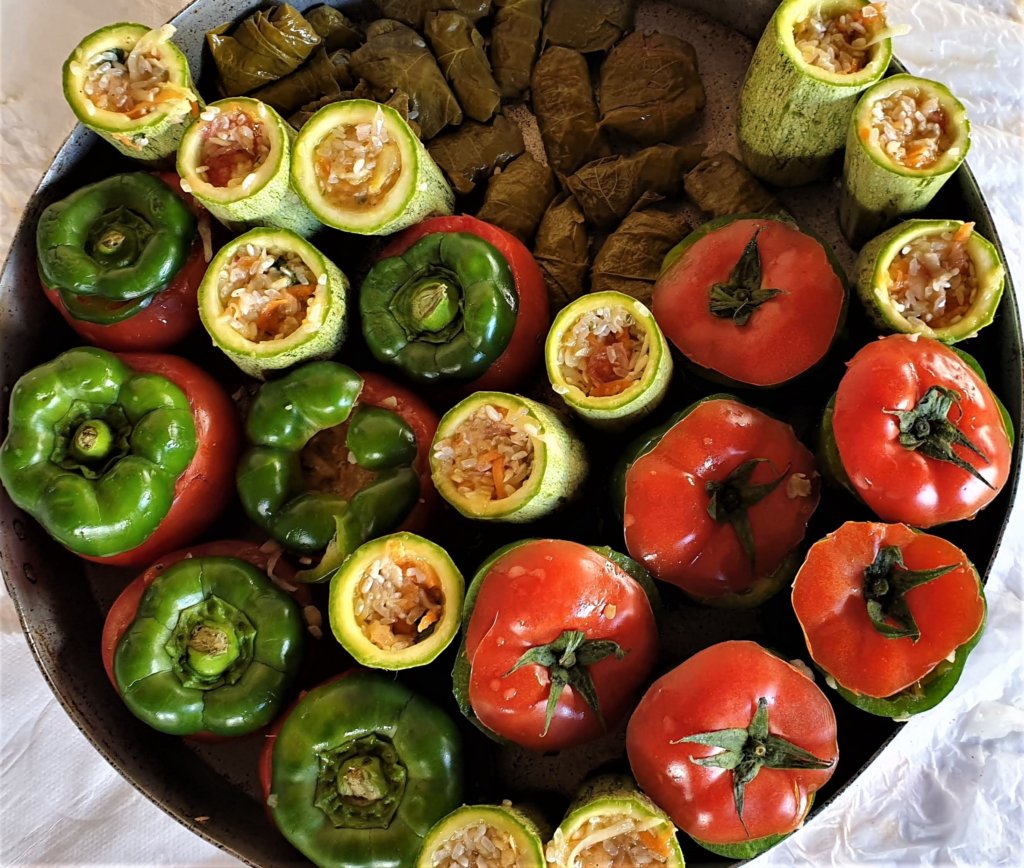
[742,293]
[886,583]
[731,498]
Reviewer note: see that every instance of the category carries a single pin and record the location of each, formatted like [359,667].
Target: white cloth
[948,790]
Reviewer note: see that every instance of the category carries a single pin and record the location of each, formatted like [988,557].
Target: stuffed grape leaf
[415,12]
[608,188]
[335,28]
[517,197]
[471,153]
[722,185]
[563,103]
[587,25]
[515,35]
[650,89]
[459,49]
[562,251]
[315,79]
[630,259]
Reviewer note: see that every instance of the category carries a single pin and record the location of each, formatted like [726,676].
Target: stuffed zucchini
[502,457]
[270,299]
[821,54]
[608,359]
[489,836]
[132,86]
[905,139]
[235,159]
[360,169]
[937,278]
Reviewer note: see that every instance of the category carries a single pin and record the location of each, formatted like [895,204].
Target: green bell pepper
[108,248]
[373,483]
[95,449]
[444,309]
[213,647]
[361,770]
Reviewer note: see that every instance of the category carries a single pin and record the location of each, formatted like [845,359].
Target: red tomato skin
[167,319]
[718,688]
[899,485]
[666,521]
[786,335]
[562,586]
[207,485]
[533,318]
[828,598]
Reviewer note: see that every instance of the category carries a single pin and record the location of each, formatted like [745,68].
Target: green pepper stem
[433,303]
[361,779]
[110,241]
[93,440]
[212,648]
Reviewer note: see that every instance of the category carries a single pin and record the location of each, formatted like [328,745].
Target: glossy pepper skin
[443,309]
[368,733]
[213,648]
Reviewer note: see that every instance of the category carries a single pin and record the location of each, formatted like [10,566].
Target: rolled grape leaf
[562,251]
[515,36]
[588,25]
[334,28]
[650,89]
[630,258]
[315,79]
[459,49]
[608,188]
[414,12]
[563,103]
[471,153]
[517,197]
[722,185]
[265,46]
[395,57]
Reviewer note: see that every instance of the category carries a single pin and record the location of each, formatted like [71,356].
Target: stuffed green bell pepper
[359,772]
[336,459]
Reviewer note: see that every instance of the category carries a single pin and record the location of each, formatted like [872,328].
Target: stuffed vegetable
[471,153]
[317,78]
[562,251]
[517,197]
[630,258]
[414,12]
[515,34]
[722,185]
[563,102]
[460,54]
[334,28]
[588,25]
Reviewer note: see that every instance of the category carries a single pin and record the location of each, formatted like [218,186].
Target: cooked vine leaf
[588,25]
[630,259]
[563,103]
[721,185]
[313,80]
[471,153]
[335,28]
[415,12]
[360,91]
[459,49]
[562,251]
[517,197]
[395,57]
[608,188]
[650,89]
[265,46]
[515,35]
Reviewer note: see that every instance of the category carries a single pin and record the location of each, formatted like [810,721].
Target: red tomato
[900,484]
[168,318]
[379,391]
[206,486]
[528,598]
[828,597]
[785,335]
[667,524]
[525,348]
[719,688]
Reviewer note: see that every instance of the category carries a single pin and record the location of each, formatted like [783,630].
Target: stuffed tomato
[732,744]
[717,501]
[915,432]
[336,458]
[456,299]
[204,642]
[558,638]
[120,458]
[751,301]
[122,259]
[890,614]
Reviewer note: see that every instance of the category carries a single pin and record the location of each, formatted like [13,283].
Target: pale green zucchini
[514,835]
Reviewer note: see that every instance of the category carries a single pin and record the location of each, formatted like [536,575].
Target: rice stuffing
[133,83]
[612,841]
[604,353]
[932,280]
[490,455]
[266,292]
[234,145]
[397,603]
[841,43]
[329,466]
[479,845]
[357,164]
[910,127]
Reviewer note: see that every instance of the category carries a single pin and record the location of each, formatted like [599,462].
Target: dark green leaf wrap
[285,416]
[365,734]
[444,309]
[122,239]
[213,648]
[459,49]
[94,450]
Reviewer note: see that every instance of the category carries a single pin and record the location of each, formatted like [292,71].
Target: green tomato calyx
[742,293]
[886,583]
[732,496]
